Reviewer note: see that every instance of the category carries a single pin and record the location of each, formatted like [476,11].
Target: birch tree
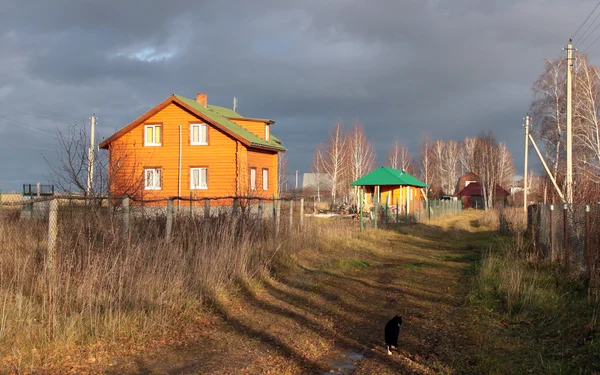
[334,163]
[451,163]
[361,156]
[467,155]
[399,157]
[426,163]
[282,174]
[437,164]
[495,166]
[317,169]
[586,124]
[549,110]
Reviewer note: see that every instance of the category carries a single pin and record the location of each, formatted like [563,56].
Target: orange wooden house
[186,147]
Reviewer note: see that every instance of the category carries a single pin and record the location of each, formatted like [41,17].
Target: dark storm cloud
[403,68]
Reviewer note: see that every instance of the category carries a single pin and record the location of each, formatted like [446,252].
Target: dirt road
[326,315]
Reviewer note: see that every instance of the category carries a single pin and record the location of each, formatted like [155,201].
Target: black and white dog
[392,330]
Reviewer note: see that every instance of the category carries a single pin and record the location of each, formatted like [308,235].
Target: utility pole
[234,103]
[526,160]
[569,176]
[296,179]
[91,156]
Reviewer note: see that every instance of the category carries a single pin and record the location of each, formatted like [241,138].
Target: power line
[591,44]
[48,116]
[16,123]
[590,34]
[27,128]
[584,21]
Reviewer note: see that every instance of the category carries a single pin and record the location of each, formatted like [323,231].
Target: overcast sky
[405,69]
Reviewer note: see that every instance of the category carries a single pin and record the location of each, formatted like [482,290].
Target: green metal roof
[222,119]
[230,113]
[388,176]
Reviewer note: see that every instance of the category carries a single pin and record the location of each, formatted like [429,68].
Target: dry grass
[520,290]
[105,287]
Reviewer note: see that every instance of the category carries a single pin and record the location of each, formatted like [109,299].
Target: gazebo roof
[388,176]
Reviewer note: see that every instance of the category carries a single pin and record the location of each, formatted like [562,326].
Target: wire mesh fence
[279,213]
[567,234]
[420,211]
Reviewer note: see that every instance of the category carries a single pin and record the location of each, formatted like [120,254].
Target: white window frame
[267,132]
[156,179]
[253,178]
[265,179]
[153,127]
[200,186]
[200,127]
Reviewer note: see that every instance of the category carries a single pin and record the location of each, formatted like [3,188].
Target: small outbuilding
[472,196]
[392,187]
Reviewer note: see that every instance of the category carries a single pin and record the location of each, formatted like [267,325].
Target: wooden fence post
[397,211]
[277,214]
[169,227]
[566,235]
[52,234]
[206,208]
[552,250]
[235,207]
[125,217]
[301,212]
[50,264]
[291,213]
[588,243]
[260,213]
[387,210]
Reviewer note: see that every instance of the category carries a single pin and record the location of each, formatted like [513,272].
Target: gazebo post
[360,212]
[397,210]
[376,204]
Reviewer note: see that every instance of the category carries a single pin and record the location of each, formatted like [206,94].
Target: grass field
[471,300]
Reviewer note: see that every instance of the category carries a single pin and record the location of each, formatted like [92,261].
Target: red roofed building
[469,191]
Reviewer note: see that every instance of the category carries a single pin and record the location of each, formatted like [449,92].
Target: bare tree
[451,165]
[334,162]
[586,128]
[114,172]
[438,150]
[317,169]
[426,163]
[361,157]
[399,157]
[495,166]
[282,173]
[467,155]
[549,110]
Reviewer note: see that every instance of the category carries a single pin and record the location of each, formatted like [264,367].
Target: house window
[152,178]
[152,135]
[198,178]
[265,179]
[267,131]
[252,178]
[199,134]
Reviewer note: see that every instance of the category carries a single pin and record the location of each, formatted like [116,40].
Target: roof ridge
[244,133]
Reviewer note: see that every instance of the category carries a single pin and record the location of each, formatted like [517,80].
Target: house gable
[205,114]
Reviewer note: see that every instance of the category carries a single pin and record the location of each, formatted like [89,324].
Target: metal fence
[385,215]
[566,234]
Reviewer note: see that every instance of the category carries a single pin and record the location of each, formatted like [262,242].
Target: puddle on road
[344,364]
